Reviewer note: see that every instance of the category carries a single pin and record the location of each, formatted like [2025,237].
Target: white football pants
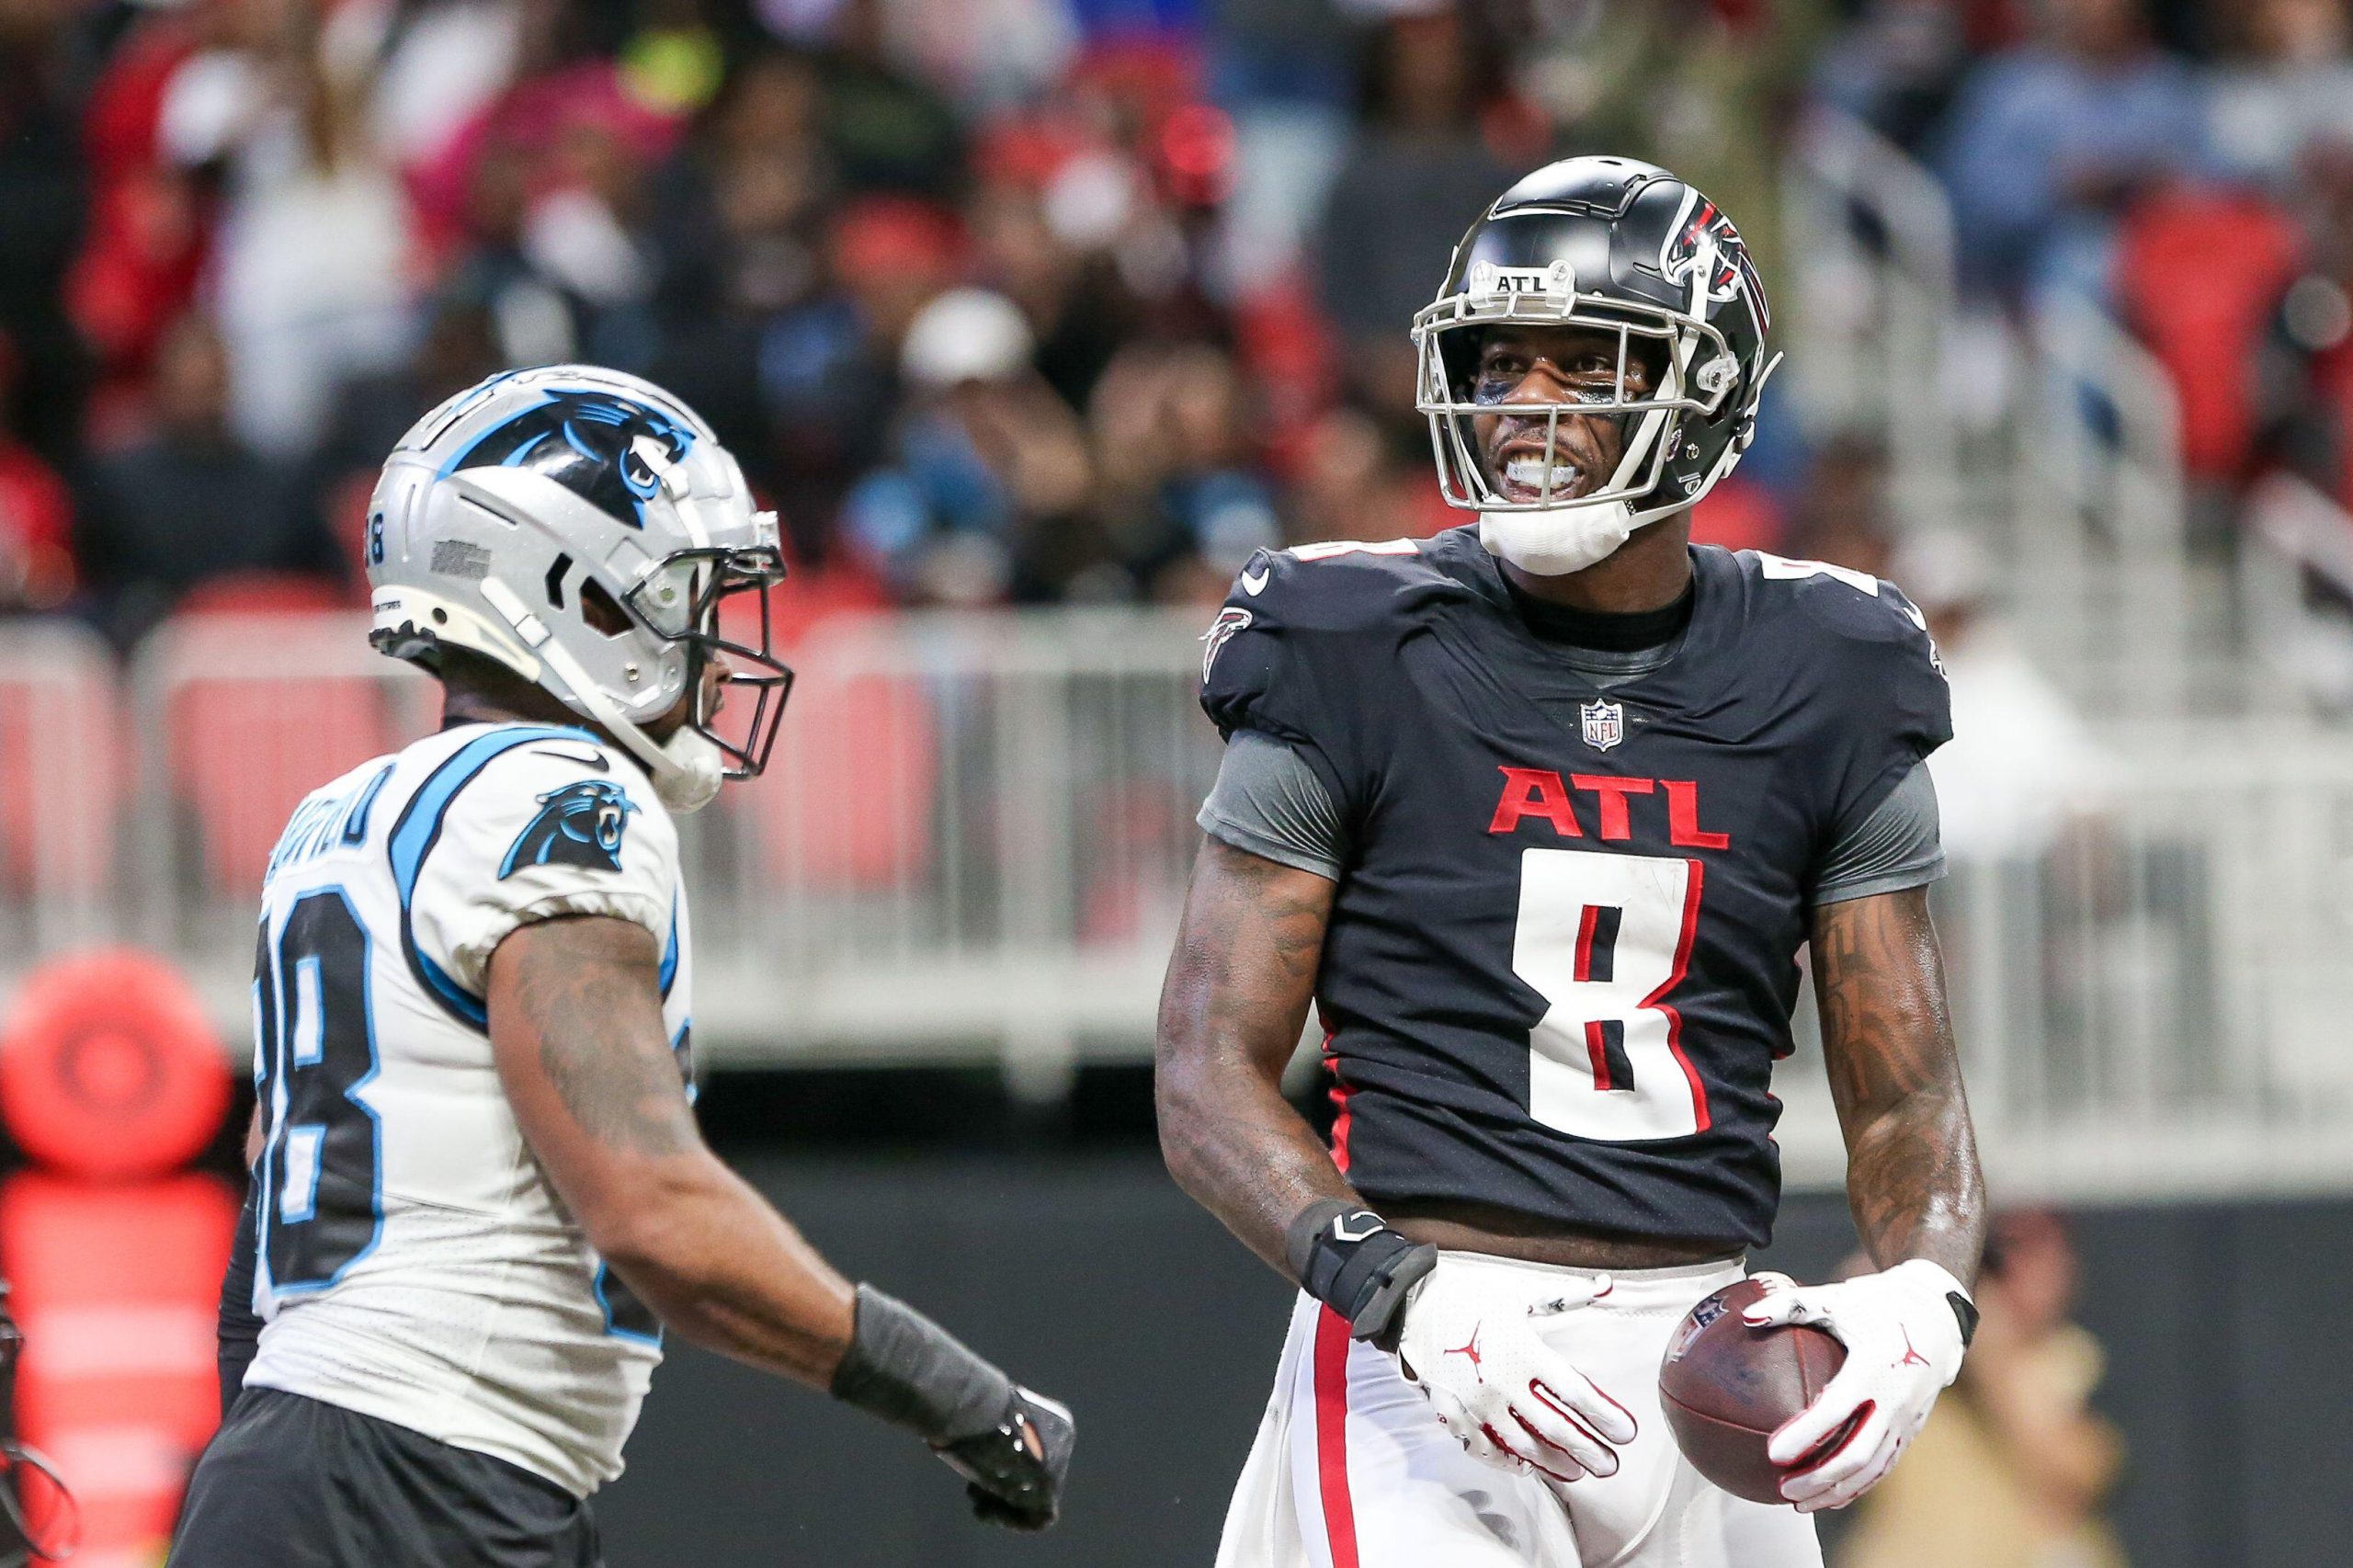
[1351,1469]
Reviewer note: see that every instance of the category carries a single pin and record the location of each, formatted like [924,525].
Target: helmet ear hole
[601,610]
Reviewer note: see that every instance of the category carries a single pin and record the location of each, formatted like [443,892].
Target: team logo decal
[608,450]
[1703,1314]
[1734,272]
[1230,620]
[1604,722]
[580,824]
[1556,283]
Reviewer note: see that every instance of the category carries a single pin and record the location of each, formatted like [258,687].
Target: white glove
[1903,1341]
[1508,1398]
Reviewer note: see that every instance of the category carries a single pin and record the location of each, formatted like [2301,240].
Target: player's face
[714,697]
[1534,366]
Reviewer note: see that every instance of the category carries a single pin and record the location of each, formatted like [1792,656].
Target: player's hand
[1508,1398]
[1014,1472]
[1903,1344]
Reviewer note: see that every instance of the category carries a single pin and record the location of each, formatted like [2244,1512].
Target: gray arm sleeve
[1267,801]
[1893,848]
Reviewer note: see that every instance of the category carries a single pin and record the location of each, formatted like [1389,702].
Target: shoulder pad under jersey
[1869,658]
[1298,648]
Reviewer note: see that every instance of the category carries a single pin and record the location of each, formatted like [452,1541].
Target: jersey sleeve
[548,829]
[1887,688]
[1267,801]
[1896,846]
[1299,652]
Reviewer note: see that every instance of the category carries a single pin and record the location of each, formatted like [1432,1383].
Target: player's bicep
[575,1024]
[1243,971]
[1879,982]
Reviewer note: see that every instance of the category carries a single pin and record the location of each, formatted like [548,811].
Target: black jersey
[1562,959]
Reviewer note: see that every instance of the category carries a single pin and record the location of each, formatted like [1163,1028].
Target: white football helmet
[580,528]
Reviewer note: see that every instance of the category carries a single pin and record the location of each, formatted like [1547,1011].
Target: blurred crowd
[2184,166]
[1032,300]
[998,300]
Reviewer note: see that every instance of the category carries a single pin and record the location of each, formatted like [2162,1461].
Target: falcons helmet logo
[1735,273]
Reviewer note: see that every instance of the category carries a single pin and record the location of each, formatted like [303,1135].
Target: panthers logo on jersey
[580,824]
[602,448]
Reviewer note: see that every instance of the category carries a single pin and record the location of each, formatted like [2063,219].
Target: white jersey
[413,1263]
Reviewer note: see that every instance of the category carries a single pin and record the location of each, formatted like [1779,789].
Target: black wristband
[1351,1261]
[1966,1311]
[912,1373]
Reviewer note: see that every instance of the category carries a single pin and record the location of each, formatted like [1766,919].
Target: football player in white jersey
[479,1190]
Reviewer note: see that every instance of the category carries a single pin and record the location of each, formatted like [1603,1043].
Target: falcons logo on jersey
[1735,273]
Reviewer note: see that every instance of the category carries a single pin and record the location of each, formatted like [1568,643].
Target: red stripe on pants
[1332,1435]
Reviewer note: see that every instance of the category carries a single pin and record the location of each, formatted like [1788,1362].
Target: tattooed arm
[1912,1177]
[575,1022]
[1230,1011]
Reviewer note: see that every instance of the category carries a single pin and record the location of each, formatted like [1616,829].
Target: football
[1726,1388]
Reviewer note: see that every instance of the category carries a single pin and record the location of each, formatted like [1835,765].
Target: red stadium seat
[847,804]
[60,766]
[261,593]
[249,738]
[846,801]
[2197,272]
[1739,513]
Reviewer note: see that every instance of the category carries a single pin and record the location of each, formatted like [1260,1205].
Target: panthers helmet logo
[1735,273]
[605,449]
[580,824]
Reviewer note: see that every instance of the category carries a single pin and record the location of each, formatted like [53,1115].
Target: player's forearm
[1914,1185]
[576,1027]
[1237,1147]
[729,1273]
[1912,1175]
[1230,1010]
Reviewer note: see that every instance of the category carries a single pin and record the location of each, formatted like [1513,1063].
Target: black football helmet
[1628,249]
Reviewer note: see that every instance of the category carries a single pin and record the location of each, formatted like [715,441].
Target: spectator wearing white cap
[984,497]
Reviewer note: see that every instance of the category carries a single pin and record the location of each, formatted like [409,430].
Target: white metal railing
[1875,312]
[2103,520]
[2079,487]
[238,717]
[2155,1002]
[974,842]
[971,843]
[2296,588]
[57,744]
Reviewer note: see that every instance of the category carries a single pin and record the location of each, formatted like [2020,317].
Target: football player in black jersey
[1538,813]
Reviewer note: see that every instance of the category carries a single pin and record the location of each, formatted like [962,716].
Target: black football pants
[292,1483]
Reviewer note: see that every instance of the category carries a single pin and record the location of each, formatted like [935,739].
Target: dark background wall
[1090,1276]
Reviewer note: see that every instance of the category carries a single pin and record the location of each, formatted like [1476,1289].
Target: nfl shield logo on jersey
[1604,723]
